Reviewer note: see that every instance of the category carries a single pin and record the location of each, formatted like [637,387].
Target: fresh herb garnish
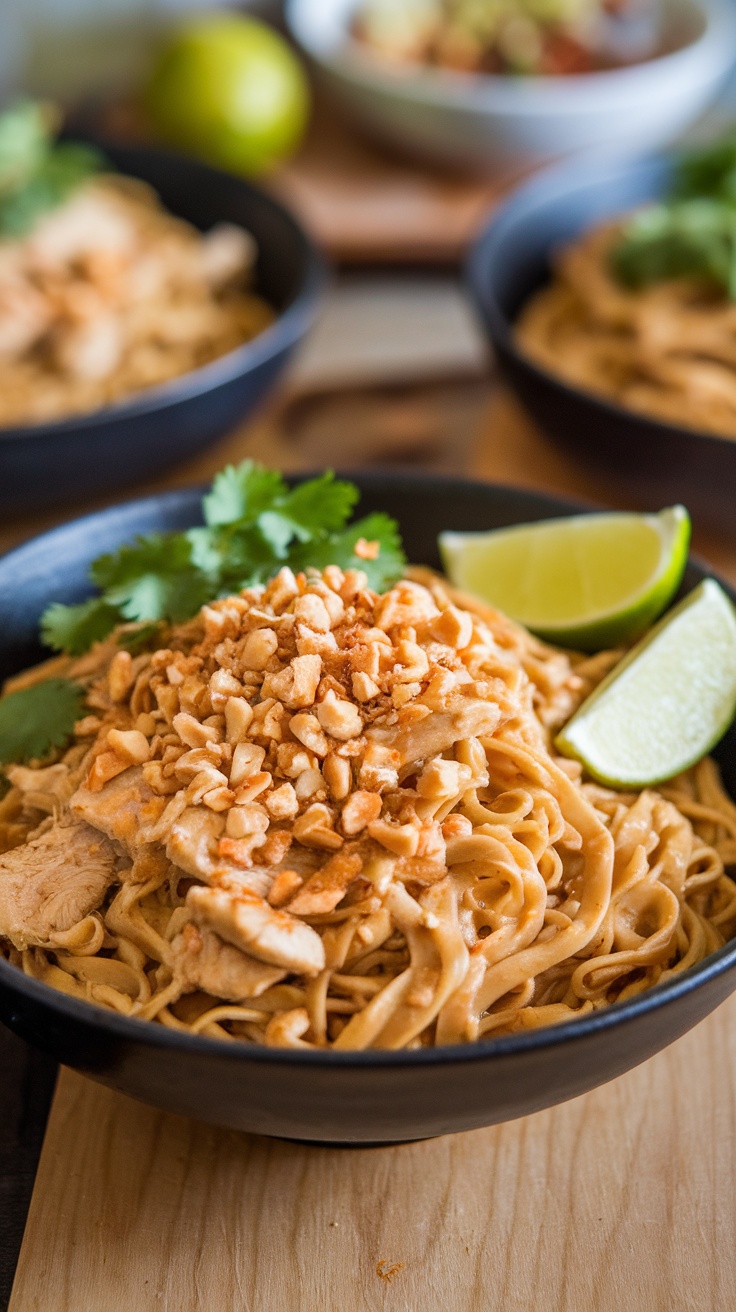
[36,173]
[39,718]
[690,234]
[254,524]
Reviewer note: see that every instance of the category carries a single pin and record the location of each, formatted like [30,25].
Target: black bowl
[134,439]
[373,1097]
[656,462]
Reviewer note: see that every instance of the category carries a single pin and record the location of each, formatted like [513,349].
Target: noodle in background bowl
[139,436]
[651,461]
[334,1097]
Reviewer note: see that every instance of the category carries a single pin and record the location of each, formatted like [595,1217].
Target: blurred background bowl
[660,462]
[110,448]
[492,122]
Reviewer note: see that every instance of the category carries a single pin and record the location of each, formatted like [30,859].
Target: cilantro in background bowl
[37,173]
[692,233]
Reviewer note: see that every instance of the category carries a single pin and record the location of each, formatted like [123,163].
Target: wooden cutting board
[620,1201]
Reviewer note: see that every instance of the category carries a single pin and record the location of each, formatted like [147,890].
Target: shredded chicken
[109,294]
[52,882]
[201,960]
[245,920]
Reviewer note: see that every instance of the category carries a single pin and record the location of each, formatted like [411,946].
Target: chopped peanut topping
[308,721]
[307,729]
[120,675]
[360,809]
[130,744]
[339,718]
[284,887]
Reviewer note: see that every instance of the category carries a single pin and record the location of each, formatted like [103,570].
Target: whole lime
[229,89]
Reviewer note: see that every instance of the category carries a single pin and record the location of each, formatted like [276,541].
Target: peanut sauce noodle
[318,817]
[667,350]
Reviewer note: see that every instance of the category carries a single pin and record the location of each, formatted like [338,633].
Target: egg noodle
[668,349]
[325,818]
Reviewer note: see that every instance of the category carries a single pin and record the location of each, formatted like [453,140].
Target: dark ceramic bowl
[349,1098]
[656,462]
[134,439]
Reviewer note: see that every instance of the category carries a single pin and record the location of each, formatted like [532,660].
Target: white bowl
[496,122]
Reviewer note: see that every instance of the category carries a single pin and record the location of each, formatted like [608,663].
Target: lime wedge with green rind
[667,703]
[585,581]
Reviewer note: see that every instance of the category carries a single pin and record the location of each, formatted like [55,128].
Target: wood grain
[621,1201]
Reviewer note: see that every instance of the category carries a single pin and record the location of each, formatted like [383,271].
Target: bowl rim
[559,179]
[285,330]
[712,48]
[91,1016]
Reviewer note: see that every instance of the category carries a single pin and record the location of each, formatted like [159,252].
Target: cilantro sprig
[34,720]
[254,524]
[37,173]
[692,233]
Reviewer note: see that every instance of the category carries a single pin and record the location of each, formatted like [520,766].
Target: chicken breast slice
[192,846]
[245,920]
[52,882]
[124,808]
[201,960]
[469,718]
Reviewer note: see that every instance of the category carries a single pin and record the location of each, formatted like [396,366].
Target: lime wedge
[667,703]
[587,581]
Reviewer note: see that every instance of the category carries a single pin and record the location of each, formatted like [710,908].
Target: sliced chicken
[46,791]
[193,844]
[52,882]
[123,809]
[249,923]
[468,718]
[193,841]
[201,960]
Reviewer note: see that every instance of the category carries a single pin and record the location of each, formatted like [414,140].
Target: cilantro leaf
[308,512]
[242,492]
[135,640]
[689,238]
[35,719]
[339,549]
[153,579]
[56,177]
[254,523]
[708,171]
[76,628]
[37,173]
[692,232]
[24,131]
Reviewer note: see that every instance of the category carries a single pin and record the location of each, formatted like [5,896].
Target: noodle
[323,818]
[667,350]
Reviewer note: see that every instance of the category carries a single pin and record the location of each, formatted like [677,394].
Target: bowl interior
[206,196]
[372,1096]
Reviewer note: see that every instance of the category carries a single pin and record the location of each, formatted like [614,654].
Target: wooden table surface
[620,1201]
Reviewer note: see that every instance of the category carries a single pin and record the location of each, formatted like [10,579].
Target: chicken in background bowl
[642,309]
[103,293]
